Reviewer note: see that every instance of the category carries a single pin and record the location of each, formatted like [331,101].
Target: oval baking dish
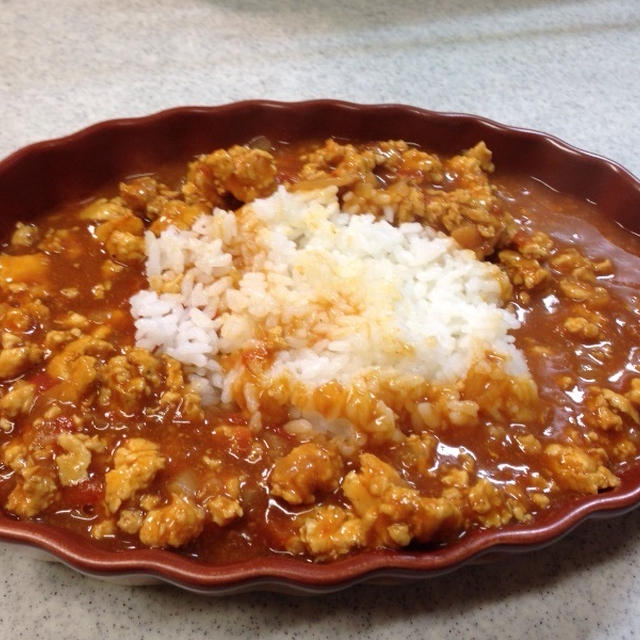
[76,166]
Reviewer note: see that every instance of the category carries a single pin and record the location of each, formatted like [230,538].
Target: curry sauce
[110,440]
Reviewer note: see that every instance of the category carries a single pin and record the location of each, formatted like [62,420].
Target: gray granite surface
[568,67]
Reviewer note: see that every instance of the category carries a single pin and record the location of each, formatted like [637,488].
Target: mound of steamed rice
[334,295]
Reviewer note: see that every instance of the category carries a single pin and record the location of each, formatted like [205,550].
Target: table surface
[570,68]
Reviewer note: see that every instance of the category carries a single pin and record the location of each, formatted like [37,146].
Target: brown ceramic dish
[74,167]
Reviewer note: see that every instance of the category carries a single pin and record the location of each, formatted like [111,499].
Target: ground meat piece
[73,320]
[501,396]
[484,497]
[130,520]
[103,529]
[421,167]
[576,469]
[634,392]
[384,179]
[493,506]
[77,366]
[523,272]
[177,394]
[393,512]
[538,245]
[585,274]
[122,237]
[469,212]
[605,409]
[529,444]
[33,495]
[455,478]
[243,172]
[581,327]
[220,494]
[392,181]
[149,501]
[173,373]
[577,291]
[61,241]
[36,488]
[305,470]
[129,378]
[342,163]
[81,373]
[136,463]
[18,400]
[223,510]
[70,292]
[24,319]
[451,211]
[24,236]
[101,210]
[145,195]
[602,267]
[624,449]
[458,413]
[399,202]
[10,340]
[126,246]
[571,262]
[580,291]
[329,532]
[59,366]
[482,155]
[14,455]
[174,524]
[110,269]
[18,360]
[73,465]
[418,452]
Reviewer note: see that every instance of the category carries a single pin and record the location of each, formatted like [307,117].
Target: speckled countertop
[571,68]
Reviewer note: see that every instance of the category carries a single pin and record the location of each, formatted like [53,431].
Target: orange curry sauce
[583,356]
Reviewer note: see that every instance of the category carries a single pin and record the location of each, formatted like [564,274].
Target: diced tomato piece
[42,380]
[89,492]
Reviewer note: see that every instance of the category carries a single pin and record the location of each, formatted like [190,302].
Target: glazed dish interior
[314,349]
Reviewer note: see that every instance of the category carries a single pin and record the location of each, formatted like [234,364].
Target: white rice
[345,293]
